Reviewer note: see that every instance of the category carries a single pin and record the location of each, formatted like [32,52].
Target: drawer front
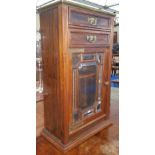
[82,18]
[88,39]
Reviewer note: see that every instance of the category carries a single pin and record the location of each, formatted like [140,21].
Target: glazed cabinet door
[88,78]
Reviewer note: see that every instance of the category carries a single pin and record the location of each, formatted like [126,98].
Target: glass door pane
[87,85]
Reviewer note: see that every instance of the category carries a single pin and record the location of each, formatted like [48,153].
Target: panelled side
[109,63]
[51,72]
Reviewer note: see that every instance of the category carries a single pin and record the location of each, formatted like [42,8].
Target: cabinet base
[78,140]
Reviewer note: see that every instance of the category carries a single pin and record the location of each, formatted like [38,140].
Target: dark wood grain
[80,17]
[51,72]
[79,38]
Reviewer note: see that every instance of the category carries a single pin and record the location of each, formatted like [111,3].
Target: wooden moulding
[97,8]
[78,140]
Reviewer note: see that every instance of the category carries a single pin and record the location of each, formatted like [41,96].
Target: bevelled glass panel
[87,69]
[87,85]
[87,91]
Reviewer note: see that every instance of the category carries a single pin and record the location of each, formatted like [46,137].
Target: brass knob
[106,83]
[92,20]
[91,38]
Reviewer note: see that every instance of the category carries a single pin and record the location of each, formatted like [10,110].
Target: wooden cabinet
[76,45]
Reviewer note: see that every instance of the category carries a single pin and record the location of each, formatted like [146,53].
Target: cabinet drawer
[85,18]
[88,39]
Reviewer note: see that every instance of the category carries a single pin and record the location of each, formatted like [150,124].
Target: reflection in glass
[87,92]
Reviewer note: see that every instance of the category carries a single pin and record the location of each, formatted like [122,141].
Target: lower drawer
[89,39]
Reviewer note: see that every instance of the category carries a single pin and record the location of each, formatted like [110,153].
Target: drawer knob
[92,20]
[91,38]
[106,83]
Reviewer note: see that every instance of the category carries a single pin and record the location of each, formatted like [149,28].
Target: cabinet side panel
[51,72]
[109,55]
[63,59]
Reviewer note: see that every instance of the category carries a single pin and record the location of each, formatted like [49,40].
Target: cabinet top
[81,3]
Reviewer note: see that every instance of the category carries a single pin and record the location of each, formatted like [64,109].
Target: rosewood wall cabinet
[76,45]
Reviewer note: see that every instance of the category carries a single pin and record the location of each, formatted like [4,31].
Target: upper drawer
[88,19]
[89,39]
